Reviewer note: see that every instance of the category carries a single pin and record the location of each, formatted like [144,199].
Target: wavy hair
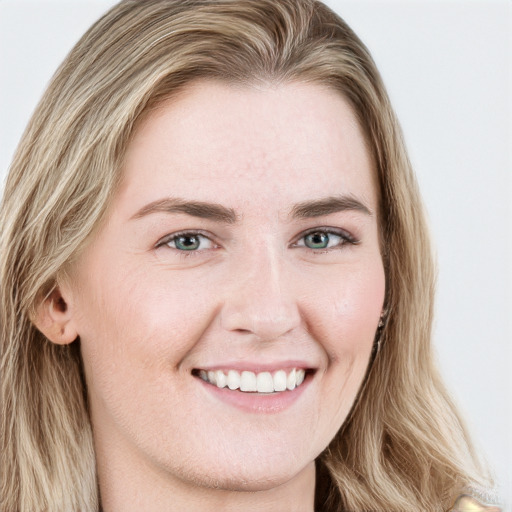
[403,446]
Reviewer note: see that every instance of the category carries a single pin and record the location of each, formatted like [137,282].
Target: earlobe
[53,317]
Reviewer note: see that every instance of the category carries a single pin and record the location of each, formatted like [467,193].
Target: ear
[53,317]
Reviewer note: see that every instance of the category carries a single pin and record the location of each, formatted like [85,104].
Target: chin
[237,476]
[247,482]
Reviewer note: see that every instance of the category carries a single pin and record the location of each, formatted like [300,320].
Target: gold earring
[378,334]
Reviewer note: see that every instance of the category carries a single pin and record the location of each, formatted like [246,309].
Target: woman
[217,283]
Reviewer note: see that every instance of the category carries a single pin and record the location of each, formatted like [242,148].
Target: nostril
[259,305]
[242,331]
[267,326]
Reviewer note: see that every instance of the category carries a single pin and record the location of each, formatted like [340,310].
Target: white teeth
[291,380]
[233,380]
[280,381]
[220,379]
[250,382]
[265,383]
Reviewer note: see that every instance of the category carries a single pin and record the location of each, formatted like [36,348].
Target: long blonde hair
[403,447]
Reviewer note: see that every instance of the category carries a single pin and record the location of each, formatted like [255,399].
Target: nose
[260,300]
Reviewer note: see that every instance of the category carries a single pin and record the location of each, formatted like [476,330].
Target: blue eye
[317,240]
[187,242]
[322,239]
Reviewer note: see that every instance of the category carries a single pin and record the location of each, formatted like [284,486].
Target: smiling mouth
[251,382]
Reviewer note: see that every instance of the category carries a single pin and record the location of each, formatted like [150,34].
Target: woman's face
[241,249]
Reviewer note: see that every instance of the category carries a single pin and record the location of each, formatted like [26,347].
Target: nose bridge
[260,300]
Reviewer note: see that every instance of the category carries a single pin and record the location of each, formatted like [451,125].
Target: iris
[317,240]
[187,242]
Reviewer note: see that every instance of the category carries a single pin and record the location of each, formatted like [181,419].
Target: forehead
[299,140]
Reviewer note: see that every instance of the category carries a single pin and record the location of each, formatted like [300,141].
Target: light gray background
[447,66]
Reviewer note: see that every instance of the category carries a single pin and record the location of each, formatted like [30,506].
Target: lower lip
[257,402]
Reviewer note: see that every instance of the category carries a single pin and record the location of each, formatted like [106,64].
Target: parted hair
[403,446]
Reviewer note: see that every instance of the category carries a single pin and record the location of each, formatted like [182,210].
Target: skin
[148,314]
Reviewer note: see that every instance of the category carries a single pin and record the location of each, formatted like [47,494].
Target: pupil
[187,243]
[317,240]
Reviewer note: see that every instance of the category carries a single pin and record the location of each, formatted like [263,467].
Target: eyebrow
[212,211]
[219,213]
[328,205]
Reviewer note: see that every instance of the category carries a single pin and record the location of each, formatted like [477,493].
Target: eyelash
[345,238]
[166,240]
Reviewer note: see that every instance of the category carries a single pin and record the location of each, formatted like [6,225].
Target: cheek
[344,317]
[346,310]
[135,330]
[137,322]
